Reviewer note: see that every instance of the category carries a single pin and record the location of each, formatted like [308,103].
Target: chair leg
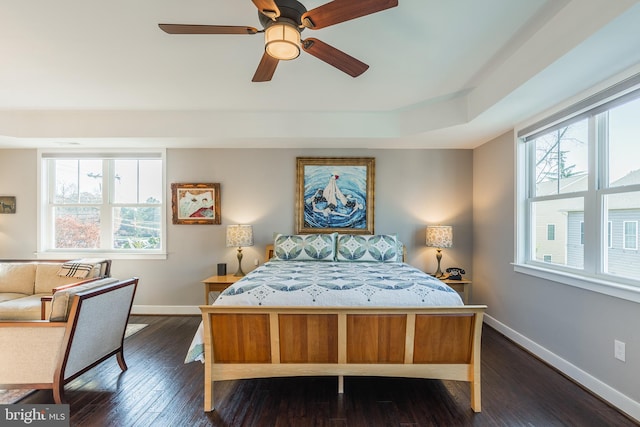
[121,362]
[58,392]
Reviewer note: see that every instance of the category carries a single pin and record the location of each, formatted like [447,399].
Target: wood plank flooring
[160,390]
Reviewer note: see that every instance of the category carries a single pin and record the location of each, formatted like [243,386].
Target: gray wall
[573,329]
[413,188]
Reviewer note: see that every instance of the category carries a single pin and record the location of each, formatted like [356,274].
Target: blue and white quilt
[329,284]
[332,284]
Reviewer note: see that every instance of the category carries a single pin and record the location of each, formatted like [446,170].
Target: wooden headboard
[268,253]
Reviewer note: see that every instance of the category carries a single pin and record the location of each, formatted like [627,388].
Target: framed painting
[7,204]
[335,194]
[195,203]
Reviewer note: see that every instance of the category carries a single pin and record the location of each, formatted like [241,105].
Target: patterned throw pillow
[376,248]
[305,247]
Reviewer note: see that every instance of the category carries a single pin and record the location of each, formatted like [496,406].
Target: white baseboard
[167,310]
[604,391]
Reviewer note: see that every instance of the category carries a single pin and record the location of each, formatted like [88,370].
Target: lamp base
[438,274]
[239,273]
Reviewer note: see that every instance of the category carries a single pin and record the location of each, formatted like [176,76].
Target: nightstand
[463,286]
[218,284]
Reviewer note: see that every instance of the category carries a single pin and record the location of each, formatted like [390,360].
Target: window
[551,232]
[102,203]
[631,235]
[579,170]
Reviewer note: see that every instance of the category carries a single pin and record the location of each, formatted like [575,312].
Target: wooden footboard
[259,342]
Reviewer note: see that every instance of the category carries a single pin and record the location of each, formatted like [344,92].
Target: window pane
[125,182]
[566,214]
[78,181]
[77,227]
[561,162]
[623,257]
[624,150]
[150,181]
[137,181]
[136,228]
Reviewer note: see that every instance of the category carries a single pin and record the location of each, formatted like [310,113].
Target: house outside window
[102,203]
[580,170]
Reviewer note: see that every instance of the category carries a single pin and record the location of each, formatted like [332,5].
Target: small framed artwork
[195,203]
[7,204]
[335,194]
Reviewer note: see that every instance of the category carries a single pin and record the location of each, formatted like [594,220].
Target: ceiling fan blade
[335,57]
[206,29]
[268,8]
[266,68]
[338,11]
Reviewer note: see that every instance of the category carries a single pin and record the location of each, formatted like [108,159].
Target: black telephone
[454,273]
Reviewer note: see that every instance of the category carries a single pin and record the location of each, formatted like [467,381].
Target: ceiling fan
[284,20]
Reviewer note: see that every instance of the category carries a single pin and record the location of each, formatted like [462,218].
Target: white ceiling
[442,73]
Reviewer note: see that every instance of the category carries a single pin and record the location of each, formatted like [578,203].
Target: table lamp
[439,236]
[239,236]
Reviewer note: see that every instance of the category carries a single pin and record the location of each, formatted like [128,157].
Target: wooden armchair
[86,327]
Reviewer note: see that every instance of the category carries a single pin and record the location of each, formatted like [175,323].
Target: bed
[338,305]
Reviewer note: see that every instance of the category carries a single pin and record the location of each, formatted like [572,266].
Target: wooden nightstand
[463,286]
[218,284]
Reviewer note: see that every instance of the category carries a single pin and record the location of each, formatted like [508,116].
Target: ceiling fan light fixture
[282,40]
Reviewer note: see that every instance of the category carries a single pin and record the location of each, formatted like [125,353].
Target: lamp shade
[239,235]
[440,236]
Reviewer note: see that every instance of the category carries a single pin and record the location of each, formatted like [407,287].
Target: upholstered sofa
[86,326]
[24,283]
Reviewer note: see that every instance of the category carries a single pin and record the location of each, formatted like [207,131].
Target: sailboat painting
[335,195]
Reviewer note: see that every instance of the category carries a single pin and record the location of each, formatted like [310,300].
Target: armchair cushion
[25,307]
[17,277]
[47,277]
[61,301]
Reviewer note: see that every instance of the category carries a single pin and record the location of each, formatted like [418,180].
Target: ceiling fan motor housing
[291,10]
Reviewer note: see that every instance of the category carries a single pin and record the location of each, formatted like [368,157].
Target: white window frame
[624,236]
[44,251]
[546,258]
[592,277]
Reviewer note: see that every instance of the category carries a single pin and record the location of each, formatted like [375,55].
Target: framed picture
[335,195]
[195,203]
[7,204]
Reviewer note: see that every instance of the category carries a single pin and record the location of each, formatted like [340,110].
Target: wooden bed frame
[415,342]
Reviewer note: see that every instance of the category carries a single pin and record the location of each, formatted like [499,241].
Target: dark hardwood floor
[160,390]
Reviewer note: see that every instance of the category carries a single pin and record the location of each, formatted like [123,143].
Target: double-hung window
[102,203]
[580,170]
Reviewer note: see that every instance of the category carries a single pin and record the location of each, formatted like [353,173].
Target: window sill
[110,255]
[614,289]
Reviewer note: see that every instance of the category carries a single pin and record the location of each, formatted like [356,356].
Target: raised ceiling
[443,74]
